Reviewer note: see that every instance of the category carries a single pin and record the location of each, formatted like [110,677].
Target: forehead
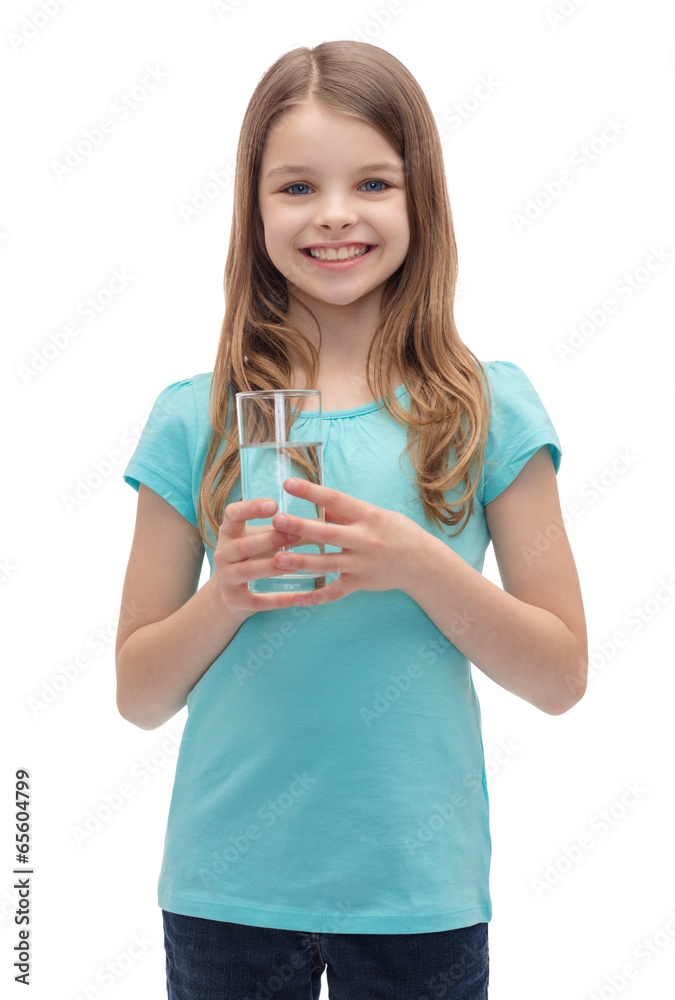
[310,130]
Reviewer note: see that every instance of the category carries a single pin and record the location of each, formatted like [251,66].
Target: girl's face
[328,179]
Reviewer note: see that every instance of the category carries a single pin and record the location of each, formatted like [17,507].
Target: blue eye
[303,185]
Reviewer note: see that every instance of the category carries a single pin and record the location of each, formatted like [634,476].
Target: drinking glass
[277,440]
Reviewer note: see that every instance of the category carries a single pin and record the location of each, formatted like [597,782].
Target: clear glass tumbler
[280,437]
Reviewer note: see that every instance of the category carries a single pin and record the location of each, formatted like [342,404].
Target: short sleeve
[519,426]
[164,455]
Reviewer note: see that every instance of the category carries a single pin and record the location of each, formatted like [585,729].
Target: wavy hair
[449,411]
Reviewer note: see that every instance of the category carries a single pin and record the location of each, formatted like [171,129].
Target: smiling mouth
[343,253]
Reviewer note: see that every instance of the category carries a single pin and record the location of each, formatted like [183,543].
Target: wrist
[220,606]
[414,557]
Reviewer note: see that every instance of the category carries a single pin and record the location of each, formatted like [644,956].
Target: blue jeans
[216,960]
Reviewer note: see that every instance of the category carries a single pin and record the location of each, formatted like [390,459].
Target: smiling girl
[364,221]
[330,806]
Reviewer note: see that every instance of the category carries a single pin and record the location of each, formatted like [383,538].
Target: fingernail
[268,506]
[292,483]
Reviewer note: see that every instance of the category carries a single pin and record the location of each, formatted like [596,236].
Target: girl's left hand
[377,544]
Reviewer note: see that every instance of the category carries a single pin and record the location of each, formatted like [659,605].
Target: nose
[335,211]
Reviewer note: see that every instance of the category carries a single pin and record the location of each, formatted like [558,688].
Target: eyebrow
[291,168]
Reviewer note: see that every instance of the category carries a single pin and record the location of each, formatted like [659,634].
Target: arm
[169,632]
[530,637]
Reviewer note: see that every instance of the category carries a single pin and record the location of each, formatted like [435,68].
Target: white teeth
[344,253]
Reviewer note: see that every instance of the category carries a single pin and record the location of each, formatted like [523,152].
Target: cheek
[399,238]
[405,234]
[395,224]
[281,230]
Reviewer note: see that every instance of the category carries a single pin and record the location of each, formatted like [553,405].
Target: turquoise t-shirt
[331,772]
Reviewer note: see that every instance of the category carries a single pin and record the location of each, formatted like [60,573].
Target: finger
[270,602]
[237,513]
[302,529]
[263,530]
[313,530]
[292,541]
[259,542]
[279,538]
[258,569]
[326,563]
[340,504]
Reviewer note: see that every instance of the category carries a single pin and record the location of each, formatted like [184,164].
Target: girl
[330,804]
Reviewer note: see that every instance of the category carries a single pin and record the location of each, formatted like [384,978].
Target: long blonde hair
[449,407]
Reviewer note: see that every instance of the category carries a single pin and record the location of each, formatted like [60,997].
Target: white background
[552,88]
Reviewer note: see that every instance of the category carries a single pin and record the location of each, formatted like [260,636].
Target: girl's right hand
[240,556]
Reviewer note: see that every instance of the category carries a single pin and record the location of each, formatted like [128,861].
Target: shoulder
[172,442]
[513,397]
[505,378]
[195,387]
[178,420]
[520,424]
[184,400]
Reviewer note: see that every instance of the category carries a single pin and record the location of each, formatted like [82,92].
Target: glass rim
[276,392]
